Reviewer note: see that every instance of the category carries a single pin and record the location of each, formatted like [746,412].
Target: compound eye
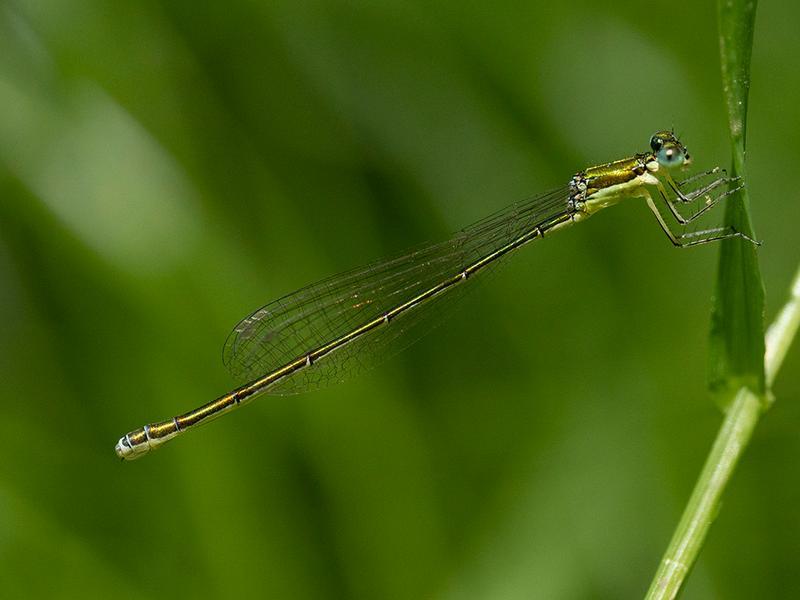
[670,156]
[656,143]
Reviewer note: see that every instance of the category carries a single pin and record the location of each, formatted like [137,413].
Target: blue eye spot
[670,156]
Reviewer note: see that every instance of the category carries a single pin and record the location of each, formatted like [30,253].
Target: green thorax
[615,173]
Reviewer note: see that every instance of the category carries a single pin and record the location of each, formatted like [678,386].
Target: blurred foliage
[166,167]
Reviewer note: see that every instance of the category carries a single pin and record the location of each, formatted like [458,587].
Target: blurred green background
[167,167]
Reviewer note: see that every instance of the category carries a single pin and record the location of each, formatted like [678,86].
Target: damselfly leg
[677,233]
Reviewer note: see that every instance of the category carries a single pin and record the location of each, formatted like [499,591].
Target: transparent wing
[316,315]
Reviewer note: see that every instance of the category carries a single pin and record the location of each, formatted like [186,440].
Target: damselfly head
[668,150]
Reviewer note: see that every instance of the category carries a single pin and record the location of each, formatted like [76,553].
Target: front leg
[710,202]
[702,174]
[701,191]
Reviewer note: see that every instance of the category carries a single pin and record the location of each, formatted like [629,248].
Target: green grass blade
[737,316]
[782,332]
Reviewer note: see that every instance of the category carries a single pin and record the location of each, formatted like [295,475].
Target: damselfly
[331,329]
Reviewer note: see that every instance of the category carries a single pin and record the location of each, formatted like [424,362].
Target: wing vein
[314,317]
